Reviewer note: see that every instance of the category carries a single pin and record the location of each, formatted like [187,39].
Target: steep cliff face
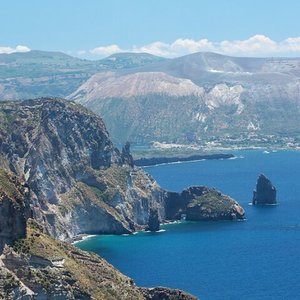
[14,208]
[202,203]
[79,182]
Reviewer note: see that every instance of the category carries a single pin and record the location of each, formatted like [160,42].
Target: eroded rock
[265,192]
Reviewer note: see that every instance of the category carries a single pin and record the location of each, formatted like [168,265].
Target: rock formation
[202,203]
[79,182]
[126,155]
[153,222]
[265,192]
[40,267]
[63,172]
[14,208]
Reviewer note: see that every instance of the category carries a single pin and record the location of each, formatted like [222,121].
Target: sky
[98,28]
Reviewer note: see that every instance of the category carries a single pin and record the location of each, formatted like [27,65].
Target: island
[265,193]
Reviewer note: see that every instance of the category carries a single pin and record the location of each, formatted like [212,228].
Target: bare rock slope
[60,172]
[79,182]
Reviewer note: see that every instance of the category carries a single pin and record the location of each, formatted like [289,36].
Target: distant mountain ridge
[198,98]
[239,101]
[48,73]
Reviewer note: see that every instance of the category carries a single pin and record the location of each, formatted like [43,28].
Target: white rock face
[108,84]
[222,94]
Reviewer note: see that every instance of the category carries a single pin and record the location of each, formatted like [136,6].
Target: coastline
[159,160]
[79,238]
[83,236]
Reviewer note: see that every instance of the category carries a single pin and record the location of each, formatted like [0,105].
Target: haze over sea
[253,259]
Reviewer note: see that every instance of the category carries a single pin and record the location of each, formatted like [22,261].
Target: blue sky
[97,28]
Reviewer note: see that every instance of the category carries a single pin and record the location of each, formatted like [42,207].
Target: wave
[161,230]
[83,238]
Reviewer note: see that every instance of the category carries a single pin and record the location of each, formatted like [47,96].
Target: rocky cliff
[265,192]
[14,208]
[202,203]
[79,182]
[62,170]
[39,267]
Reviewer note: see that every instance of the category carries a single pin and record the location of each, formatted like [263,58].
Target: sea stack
[265,192]
[153,222]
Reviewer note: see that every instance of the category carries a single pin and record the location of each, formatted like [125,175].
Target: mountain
[61,176]
[203,98]
[200,98]
[79,182]
[42,73]
[129,60]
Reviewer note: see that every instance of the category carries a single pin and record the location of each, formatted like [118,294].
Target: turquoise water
[253,259]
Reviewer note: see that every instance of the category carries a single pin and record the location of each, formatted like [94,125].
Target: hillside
[79,182]
[60,176]
[76,175]
[42,73]
[40,267]
[203,98]
[200,98]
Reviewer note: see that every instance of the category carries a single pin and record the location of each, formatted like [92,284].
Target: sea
[258,258]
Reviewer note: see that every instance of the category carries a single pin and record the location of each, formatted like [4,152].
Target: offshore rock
[265,192]
[202,203]
[153,222]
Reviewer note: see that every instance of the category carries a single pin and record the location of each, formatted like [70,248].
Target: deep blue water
[255,259]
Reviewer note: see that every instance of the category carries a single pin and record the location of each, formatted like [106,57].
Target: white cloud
[19,48]
[257,45]
[106,50]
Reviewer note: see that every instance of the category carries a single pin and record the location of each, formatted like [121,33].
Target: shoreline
[79,238]
[83,236]
[159,160]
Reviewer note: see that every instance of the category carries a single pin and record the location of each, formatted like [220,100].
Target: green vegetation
[8,186]
[39,73]
[213,200]
[10,282]
[87,273]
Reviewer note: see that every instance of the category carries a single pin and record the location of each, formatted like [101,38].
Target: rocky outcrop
[64,172]
[40,267]
[79,182]
[14,208]
[202,203]
[153,222]
[265,192]
[161,293]
[126,155]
